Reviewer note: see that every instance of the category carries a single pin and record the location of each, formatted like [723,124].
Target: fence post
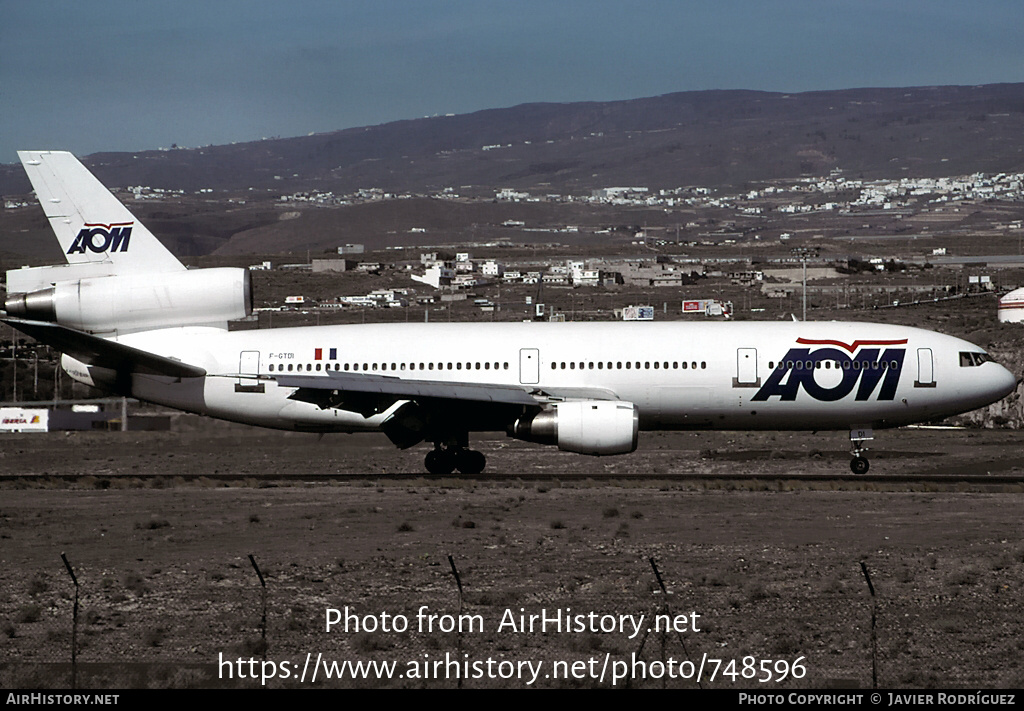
[874,635]
[458,582]
[74,625]
[263,595]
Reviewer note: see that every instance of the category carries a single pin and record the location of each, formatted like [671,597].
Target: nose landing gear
[859,464]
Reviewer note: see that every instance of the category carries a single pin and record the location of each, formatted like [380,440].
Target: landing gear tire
[469,461]
[859,465]
[439,461]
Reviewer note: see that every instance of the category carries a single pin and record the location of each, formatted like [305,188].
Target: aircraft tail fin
[90,223]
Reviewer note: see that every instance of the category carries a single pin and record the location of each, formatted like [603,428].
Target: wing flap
[407,388]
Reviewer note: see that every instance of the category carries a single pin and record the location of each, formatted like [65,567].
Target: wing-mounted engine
[122,303]
[583,426]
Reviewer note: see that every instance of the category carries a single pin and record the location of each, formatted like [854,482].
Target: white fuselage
[723,375]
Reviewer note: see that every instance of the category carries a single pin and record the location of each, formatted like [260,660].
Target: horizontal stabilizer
[93,350]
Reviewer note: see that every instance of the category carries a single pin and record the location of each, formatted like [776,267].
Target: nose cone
[1000,381]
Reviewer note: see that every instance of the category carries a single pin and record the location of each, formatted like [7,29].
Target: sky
[126,75]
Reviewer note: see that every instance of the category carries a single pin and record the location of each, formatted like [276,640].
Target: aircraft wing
[374,384]
[429,405]
[93,350]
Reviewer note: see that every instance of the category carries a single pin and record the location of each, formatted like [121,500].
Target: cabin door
[248,365]
[746,368]
[925,369]
[529,366]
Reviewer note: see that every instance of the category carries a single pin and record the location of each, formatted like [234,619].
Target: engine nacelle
[136,302]
[585,427]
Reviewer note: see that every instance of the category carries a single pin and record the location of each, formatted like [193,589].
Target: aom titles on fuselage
[129,317]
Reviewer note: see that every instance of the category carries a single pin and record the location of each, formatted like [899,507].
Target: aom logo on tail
[99,238]
[830,374]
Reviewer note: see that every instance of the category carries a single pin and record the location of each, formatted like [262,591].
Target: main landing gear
[445,460]
[859,464]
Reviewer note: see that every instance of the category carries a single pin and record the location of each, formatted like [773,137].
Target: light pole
[803,253]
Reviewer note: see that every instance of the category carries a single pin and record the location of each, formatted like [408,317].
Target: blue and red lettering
[862,374]
[99,238]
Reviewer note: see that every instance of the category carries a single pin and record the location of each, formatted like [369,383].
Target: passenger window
[289,367]
[318,367]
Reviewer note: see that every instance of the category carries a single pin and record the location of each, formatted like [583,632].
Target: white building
[436,276]
[492,268]
[1011,307]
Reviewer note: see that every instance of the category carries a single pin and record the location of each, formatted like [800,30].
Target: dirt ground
[770,562]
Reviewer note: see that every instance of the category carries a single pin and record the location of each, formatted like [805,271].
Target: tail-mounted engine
[123,303]
[586,427]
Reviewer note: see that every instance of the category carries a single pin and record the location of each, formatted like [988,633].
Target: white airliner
[129,317]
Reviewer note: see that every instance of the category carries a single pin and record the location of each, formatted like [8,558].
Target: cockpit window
[969,359]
